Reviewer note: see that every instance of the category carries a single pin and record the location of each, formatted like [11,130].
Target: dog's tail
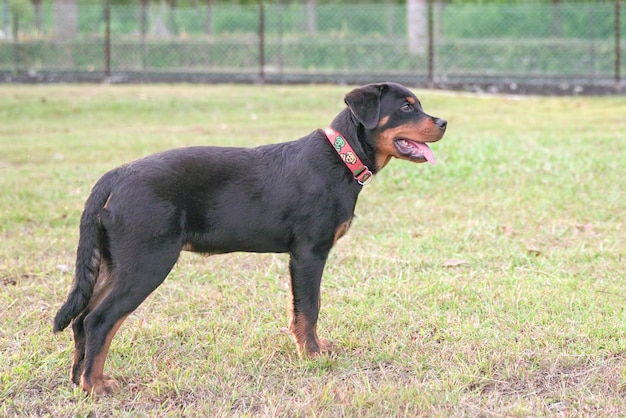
[88,254]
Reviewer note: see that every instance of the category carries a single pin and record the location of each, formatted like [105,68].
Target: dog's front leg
[306,269]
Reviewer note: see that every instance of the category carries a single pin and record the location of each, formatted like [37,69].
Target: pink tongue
[425,149]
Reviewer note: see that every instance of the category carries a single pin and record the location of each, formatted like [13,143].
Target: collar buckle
[365,177]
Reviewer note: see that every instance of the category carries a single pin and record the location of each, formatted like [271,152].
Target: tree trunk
[38,22]
[557,26]
[208,22]
[416,26]
[172,16]
[6,24]
[65,20]
[311,16]
[390,17]
[65,30]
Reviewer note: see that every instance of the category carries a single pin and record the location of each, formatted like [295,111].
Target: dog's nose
[442,123]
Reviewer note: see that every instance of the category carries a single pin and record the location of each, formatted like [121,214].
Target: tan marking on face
[410,100]
[385,150]
[429,131]
[424,131]
[383,121]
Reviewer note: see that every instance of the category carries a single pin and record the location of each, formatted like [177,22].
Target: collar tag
[361,173]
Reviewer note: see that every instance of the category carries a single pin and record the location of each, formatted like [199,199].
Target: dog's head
[395,123]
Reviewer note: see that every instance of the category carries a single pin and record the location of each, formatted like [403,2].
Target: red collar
[361,173]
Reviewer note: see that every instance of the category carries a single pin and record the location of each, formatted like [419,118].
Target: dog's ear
[364,103]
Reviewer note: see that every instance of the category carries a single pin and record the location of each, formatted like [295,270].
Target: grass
[490,284]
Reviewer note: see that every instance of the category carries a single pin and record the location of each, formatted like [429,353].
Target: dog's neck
[357,136]
[362,174]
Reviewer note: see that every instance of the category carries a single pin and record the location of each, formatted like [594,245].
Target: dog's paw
[101,386]
[326,346]
[323,347]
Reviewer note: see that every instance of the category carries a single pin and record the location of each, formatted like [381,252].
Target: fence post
[5,16]
[144,29]
[107,38]
[16,41]
[618,54]
[431,45]
[261,43]
[279,45]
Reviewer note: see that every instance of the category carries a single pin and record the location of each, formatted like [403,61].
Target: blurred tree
[416,25]
[143,19]
[5,19]
[557,25]
[311,16]
[37,10]
[65,28]
[65,20]
[208,22]
[20,12]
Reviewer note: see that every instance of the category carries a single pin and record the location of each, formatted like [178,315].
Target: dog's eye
[407,107]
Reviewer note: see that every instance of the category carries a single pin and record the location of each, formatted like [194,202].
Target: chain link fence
[520,47]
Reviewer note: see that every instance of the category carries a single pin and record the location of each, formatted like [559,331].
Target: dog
[295,197]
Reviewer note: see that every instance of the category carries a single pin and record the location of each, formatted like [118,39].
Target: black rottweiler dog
[295,197]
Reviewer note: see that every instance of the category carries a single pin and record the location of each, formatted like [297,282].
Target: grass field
[490,284]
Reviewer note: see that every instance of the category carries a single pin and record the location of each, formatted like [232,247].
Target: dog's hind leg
[79,347]
[306,269]
[102,288]
[133,278]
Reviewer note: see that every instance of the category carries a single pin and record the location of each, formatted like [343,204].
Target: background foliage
[531,43]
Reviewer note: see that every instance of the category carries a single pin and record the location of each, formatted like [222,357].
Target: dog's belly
[219,240]
[231,247]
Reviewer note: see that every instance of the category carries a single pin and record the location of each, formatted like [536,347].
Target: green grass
[490,284]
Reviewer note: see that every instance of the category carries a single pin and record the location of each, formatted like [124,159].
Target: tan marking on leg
[305,337]
[75,370]
[301,330]
[99,384]
[102,287]
[341,231]
[107,201]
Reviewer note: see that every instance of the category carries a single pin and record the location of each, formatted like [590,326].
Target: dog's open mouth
[415,151]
